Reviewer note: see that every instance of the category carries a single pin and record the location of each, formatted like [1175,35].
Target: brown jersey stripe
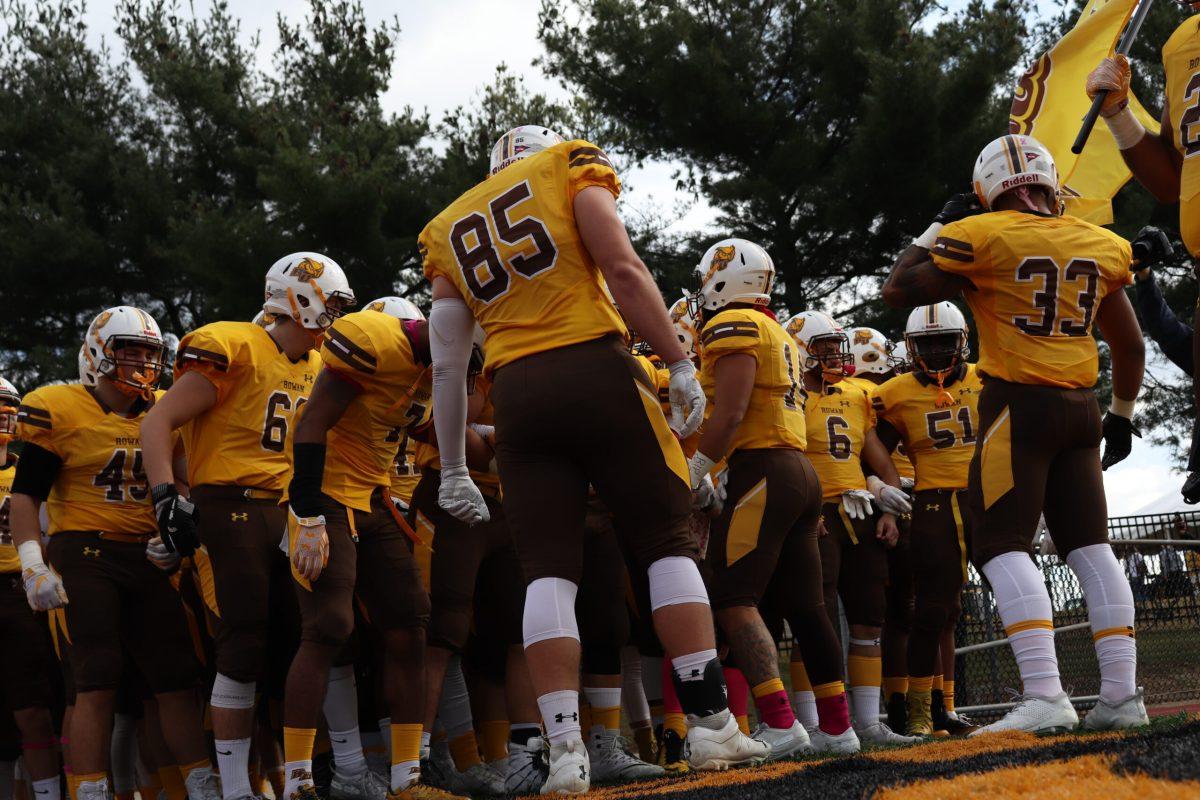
[729,329]
[753,337]
[218,360]
[579,162]
[586,151]
[957,244]
[353,355]
[877,404]
[34,416]
[943,248]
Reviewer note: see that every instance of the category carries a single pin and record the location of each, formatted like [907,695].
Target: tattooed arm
[915,281]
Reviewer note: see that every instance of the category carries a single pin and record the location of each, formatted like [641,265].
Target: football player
[237,387]
[933,412]
[528,253]
[27,662]
[346,539]
[768,525]
[1037,282]
[1167,164]
[82,456]
[854,562]
[872,367]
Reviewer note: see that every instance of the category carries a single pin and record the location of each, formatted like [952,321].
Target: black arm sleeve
[1165,329]
[36,471]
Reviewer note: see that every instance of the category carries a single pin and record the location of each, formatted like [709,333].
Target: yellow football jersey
[101,485]
[838,420]
[1181,61]
[511,247]
[372,351]
[941,441]
[9,561]
[428,457]
[405,472]
[240,440]
[1037,282]
[775,415]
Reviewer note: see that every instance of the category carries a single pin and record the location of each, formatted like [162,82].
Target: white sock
[1110,611]
[341,715]
[426,737]
[690,667]
[296,774]
[602,697]
[560,713]
[864,705]
[47,789]
[405,774]
[124,735]
[233,758]
[1024,607]
[454,708]
[805,706]
[633,689]
[348,758]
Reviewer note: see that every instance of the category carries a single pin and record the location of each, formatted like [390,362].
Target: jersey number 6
[474,247]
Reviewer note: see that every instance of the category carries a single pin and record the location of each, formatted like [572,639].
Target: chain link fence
[1160,554]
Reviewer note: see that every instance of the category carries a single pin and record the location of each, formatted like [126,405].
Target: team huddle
[452,546]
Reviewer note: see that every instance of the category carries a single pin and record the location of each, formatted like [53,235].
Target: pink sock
[834,713]
[671,703]
[739,691]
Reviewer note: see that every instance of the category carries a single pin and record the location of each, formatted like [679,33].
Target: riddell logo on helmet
[1019,180]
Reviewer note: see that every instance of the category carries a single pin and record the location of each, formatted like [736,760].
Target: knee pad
[228,693]
[1105,588]
[549,611]
[1017,585]
[675,580]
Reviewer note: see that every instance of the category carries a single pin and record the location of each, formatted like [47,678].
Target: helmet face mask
[937,353]
[125,347]
[898,358]
[10,401]
[133,365]
[830,353]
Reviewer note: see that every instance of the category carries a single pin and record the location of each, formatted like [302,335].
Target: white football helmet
[310,288]
[685,326]
[732,271]
[870,349]
[1012,161]
[898,358]
[823,344]
[937,339]
[10,401]
[109,332]
[521,142]
[398,307]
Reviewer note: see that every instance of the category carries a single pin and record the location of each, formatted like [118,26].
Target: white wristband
[929,237]
[1125,127]
[1122,408]
[31,555]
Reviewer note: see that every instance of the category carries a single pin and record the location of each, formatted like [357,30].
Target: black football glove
[1151,247]
[176,520]
[964,204]
[1191,489]
[1118,439]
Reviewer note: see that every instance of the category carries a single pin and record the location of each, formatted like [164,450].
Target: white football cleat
[842,744]
[784,742]
[611,764]
[878,733]
[1036,715]
[723,748]
[1128,713]
[570,771]
[525,768]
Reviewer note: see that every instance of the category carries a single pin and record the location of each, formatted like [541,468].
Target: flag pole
[1123,47]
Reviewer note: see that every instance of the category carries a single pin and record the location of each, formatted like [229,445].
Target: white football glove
[687,398]
[158,555]
[43,587]
[460,497]
[857,503]
[721,493]
[310,550]
[891,500]
[907,484]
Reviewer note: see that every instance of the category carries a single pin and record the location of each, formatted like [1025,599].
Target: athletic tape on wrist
[1123,408]
[929,237]
[1125,127]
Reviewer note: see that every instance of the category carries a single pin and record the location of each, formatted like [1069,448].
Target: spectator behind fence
[1135,570]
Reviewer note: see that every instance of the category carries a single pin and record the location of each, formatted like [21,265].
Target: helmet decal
[308,270]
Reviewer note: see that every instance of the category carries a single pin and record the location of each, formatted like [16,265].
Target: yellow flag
[1050,103]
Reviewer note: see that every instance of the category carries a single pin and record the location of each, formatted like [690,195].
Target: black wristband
[161,492]
[308,468]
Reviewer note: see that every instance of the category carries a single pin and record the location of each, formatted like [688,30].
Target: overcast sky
[449,48]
